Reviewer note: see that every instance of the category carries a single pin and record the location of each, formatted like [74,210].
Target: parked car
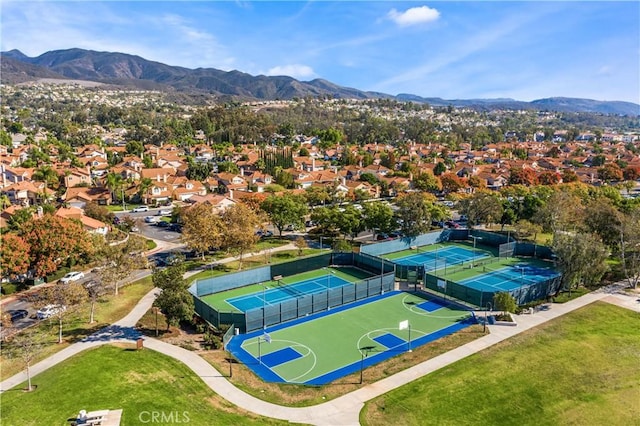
[165,212]
[382,237]
[49,311]
[452,224]
[140,209]
[264,233]
[151,219]
[72,276]
[396,234]
[175,227]
[17,314]
[162,224]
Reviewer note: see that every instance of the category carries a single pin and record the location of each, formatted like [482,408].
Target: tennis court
[282,292]
[509,278]
[326,346]
[257,295]
[436,256]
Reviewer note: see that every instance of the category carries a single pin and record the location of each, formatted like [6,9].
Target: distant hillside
[15,71]
[134,71]
[548,104]
[121,68]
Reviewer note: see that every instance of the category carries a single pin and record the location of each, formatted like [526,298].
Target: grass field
[76,325]
[218,300]
[332,345]
[581,369]
[113,377]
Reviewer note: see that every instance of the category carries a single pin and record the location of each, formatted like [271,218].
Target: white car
[72,276]
[151,219]
[165,212]
[140,209]
[49,311]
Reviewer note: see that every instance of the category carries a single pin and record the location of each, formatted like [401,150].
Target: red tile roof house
[90,224]
[80,196]
[28,193]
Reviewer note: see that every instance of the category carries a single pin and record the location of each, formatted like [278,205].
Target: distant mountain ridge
[130,70]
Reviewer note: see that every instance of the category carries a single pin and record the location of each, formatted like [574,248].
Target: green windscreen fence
[300,306]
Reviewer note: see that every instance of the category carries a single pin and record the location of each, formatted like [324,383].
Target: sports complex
[318,319]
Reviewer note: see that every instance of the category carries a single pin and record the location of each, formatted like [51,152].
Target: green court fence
[400,244]
[307,304]
[524,294]
[301,306]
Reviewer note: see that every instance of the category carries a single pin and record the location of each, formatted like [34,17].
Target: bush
[211,340]
[56,275]
[9,288]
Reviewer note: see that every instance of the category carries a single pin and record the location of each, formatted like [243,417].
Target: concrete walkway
[344,410]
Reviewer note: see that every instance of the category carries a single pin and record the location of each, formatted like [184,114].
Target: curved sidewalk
[344,410]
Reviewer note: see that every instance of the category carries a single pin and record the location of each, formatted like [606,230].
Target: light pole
[521,282]
[156,311]
[473,259]
[264,305]
[484,326]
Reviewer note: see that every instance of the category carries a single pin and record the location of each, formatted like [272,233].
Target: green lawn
[581,369]
[113,377]
[76,326]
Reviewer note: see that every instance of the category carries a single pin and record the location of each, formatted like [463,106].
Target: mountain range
[133,71]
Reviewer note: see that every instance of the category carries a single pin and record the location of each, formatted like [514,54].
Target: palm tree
[49,176]
[114,183]
[143,187]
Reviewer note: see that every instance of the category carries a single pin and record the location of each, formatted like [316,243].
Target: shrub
[211,340]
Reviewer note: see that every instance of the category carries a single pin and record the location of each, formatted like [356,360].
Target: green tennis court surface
[324,347]
[289,288]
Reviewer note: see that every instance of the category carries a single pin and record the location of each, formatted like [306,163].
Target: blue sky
[484,49]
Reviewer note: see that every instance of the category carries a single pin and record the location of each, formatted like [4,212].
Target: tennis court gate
[522,295]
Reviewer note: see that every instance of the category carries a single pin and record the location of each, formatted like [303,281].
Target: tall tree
[67,296]
[378,217]
[414,214]
[25,346]
[286,209]
[202,229]
[54,240]
[581,258]
[114,183]
[240,223]
[119,261]
[630,247]
[175,301]
[482,208]
[14,255]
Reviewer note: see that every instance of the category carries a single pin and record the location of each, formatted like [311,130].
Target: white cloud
[414,16]
[292,70]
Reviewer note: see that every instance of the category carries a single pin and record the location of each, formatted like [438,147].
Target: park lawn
[580,369]
[117,376]
[76,325]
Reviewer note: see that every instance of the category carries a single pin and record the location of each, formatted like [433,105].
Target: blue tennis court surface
[510,278]
[437,259]
[280,357]
[286,292]
[430,306]
[389,340]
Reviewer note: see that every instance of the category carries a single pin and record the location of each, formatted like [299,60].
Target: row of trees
[587,226]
